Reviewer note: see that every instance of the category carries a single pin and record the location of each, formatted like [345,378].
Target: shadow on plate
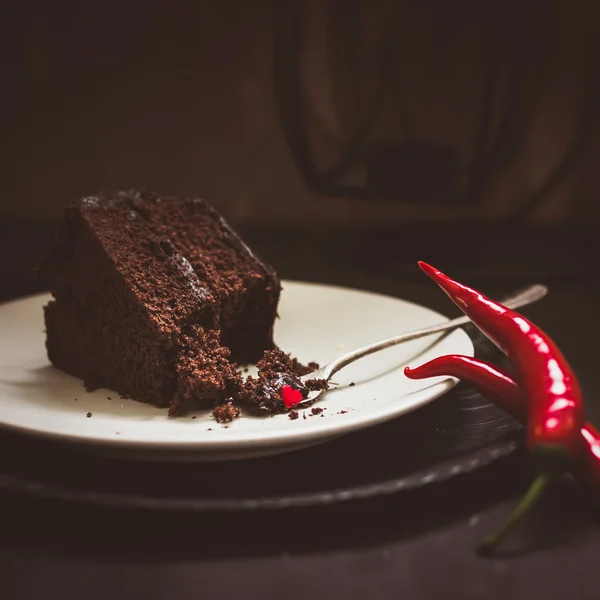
[67,393]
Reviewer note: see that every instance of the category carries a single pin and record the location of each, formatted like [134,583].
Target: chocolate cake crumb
[293,415]
[225,413]
[316,410]
[315,385]
[276,369]
[282,362]
[304,416]
[352,384]
[342,412]
[108,398]
[194,417]
[89,415]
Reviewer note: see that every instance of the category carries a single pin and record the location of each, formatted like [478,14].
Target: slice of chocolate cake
[154,298]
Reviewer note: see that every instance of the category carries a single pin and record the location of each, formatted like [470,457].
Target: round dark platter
[457,433]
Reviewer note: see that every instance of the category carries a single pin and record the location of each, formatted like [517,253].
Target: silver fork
[529,295]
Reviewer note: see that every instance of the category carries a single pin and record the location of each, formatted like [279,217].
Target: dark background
[346,140]
[188,99]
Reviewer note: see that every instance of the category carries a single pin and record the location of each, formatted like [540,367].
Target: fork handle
[529,295]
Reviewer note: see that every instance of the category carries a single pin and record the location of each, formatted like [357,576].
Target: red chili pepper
[496,384]
[491,381]
[556,413]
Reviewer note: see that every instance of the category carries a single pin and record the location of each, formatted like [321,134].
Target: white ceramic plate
[318,323]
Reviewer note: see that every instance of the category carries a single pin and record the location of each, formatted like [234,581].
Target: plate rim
[326,430]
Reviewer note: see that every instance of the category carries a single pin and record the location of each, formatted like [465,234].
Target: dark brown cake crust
[154,297]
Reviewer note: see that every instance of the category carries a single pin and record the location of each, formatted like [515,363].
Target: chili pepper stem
[529,500]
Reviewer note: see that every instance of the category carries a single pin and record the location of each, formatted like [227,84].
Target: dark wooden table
[411,546]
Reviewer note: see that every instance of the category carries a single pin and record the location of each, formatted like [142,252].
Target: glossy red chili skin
[556,413]
[491,381]
[496,384]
